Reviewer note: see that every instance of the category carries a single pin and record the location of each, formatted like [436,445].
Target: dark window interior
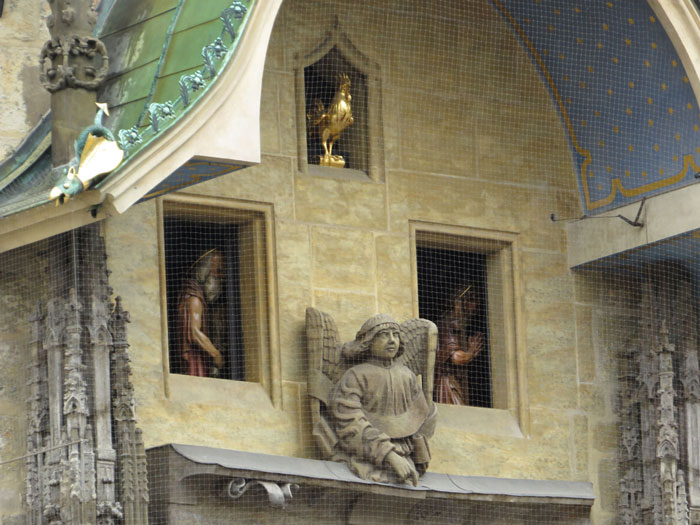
[185,242]
[441,273]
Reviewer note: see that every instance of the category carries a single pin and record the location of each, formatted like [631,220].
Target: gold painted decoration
[329,124]
[97,154]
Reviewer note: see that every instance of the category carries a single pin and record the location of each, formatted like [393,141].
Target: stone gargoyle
[369,408]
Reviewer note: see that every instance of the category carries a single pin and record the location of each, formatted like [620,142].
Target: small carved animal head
[68,187]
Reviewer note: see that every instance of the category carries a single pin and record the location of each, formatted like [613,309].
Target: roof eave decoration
[210,124]
[213,126]
[216,56]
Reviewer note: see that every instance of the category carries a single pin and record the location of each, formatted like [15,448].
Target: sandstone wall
[22,99]
[478,146]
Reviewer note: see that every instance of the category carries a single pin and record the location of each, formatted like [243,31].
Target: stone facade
[22,34]
[473,142]
[461,148]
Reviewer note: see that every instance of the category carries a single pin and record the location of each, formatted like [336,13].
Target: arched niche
[364,140]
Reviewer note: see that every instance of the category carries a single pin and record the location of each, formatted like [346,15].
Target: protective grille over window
[486,315]
[452,293]
[201,262]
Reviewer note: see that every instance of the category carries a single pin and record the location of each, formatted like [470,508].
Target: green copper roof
[164,55]
[168,53]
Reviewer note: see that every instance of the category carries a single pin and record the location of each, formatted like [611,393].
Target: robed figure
[197,319]
[460,341]
[370,410]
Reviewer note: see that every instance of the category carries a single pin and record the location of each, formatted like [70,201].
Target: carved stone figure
[368,407]
[459,344]
[332,122]
[196,321]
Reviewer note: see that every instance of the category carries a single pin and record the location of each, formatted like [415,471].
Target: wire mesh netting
[485,166]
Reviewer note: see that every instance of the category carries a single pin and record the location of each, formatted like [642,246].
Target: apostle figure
[459,343]
[196,319]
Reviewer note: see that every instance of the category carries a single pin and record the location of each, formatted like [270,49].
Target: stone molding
[189,480]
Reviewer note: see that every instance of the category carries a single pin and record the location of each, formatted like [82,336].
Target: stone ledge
[186,461]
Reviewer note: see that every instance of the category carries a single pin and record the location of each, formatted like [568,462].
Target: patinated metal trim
[215,55]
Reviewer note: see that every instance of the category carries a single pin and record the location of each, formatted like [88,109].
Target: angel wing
[419,337]
[325,368]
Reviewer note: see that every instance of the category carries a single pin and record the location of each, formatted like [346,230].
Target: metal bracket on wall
[278,495]
[636,222]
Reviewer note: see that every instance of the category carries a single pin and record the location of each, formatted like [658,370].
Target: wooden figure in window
[196,316]
[459,343]
[368,408]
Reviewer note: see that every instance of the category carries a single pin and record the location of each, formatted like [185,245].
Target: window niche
[316,79]
[215,251]
[446,278]
[473,269]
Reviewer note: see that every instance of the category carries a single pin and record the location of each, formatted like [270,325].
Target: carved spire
[80,378]
[131,455]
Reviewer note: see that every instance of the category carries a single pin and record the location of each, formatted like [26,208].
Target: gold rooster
[331,123]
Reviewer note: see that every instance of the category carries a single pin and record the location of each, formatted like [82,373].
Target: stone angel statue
[369,408]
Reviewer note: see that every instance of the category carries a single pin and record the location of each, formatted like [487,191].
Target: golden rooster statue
[332,122]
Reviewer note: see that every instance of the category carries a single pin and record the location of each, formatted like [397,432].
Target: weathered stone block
[353,203]
[592,399]
[547,277]
[455,152]
[270,181]
[550,327]
[294,264]
[348,309]
[551,378]
[394,293]
[607,486]
[606,436]
[579,429]
[343,260]
[25,101]
[585,351]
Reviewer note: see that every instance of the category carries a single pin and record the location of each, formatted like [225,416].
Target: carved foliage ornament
[73,62]
[73,58]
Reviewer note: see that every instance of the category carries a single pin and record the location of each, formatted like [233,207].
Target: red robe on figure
[196,359]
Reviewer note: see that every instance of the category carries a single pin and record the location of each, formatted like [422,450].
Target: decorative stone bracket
[277,494]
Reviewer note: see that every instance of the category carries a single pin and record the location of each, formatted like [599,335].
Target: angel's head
[379,337]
